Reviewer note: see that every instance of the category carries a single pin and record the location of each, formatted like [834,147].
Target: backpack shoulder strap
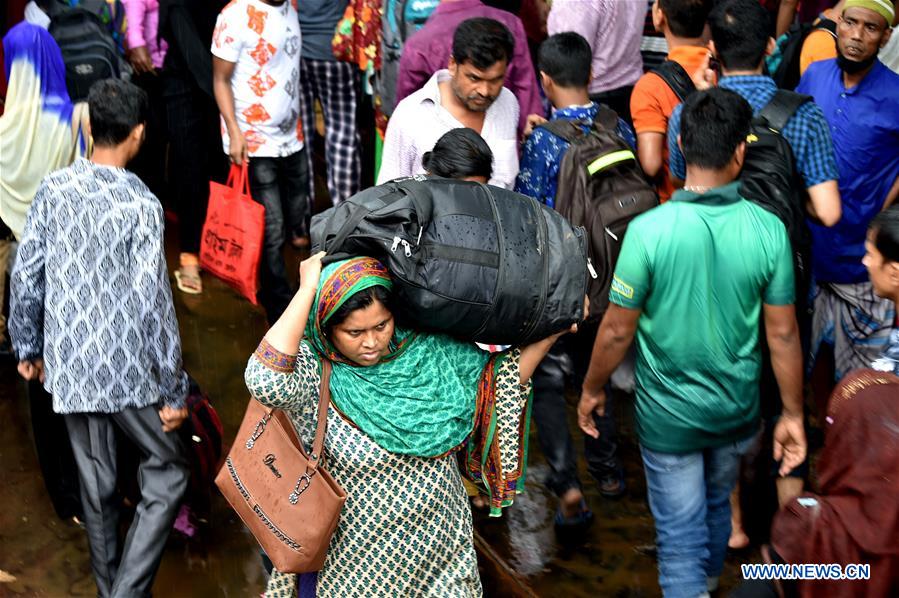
[782,107]
[827,25]
[606,118]
[674,75]
[564,128]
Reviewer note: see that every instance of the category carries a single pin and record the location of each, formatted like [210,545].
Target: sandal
[187,277]
[581,521]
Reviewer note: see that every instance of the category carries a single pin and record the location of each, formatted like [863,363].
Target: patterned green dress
[406,528]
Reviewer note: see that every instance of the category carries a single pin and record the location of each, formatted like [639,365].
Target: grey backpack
[401,18]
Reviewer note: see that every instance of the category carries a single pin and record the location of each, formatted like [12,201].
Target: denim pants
[282,186]
[689,496]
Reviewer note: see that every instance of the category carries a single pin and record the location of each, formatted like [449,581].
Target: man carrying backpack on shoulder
[564,63]
[807,167]
[740,43]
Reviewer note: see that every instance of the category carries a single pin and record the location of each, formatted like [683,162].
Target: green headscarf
[420,399]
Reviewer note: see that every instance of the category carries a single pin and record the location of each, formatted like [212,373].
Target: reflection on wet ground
[49,557]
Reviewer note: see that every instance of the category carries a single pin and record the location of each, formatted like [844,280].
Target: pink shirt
[142,22]
[613,28]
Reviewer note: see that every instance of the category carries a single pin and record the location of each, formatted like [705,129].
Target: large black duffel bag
[478,262]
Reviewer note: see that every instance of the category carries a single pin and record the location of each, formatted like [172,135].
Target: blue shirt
[864,125]
[538,174]
[806,132]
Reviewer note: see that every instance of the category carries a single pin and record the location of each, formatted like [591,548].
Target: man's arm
[159,323]
[649,152]
[892,195]
[398,153]
[27,288]
[522,80]
[782,333]
[616,332]
[824,203]
[222,71]
[786,12]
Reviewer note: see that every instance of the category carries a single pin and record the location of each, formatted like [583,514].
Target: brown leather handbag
[285,497]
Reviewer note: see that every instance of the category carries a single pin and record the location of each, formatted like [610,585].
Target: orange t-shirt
[652,103]
[818,45]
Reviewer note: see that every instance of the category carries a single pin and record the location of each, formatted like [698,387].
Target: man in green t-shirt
[692,281]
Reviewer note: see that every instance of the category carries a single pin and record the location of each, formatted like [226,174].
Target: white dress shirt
[420,120]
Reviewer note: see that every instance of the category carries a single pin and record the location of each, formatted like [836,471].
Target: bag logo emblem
[270,463]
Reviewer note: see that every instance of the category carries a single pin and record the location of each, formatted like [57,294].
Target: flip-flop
[182,280]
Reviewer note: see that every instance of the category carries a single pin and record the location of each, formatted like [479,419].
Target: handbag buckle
[302,485]
[260,428]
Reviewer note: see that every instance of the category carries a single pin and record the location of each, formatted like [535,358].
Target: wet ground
[41,555]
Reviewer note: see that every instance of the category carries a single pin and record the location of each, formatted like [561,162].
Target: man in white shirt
[469,94]
[256,79]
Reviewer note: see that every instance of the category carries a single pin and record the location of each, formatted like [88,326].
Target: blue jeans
[689,499]
[282,186]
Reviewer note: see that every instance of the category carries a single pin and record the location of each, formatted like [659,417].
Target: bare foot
[738,540]
[570,502]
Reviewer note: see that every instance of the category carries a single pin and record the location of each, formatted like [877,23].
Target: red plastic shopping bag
[231,245]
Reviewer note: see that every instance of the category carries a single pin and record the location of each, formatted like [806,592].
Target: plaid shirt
[541,159]
[807,131]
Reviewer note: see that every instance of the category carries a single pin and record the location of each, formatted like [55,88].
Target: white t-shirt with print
[264,42]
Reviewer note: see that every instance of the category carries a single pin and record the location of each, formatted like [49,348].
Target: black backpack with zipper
[770,178]
[475,261]
[602,188]
[677,78]
[88,49]
[789,49]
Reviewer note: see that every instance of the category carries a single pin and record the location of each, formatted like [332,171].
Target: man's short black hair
[116,107]
[886,233]
[483,42]
[686,18]
[566,59]
[713,124]
[740,32]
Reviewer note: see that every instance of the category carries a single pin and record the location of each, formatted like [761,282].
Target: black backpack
[602,188]
[674,75]
[789,48]
[771,180]
[88,49]
[481,263]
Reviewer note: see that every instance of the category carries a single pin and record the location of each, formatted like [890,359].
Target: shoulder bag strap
[563,128]
[324,399]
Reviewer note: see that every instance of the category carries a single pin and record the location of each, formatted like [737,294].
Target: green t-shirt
[699,267]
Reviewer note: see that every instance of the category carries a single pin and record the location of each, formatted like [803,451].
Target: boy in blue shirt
[564,63]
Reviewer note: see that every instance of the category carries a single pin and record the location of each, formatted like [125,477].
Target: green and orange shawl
[431,396]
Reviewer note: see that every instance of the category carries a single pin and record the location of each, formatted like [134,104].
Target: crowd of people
[757,299]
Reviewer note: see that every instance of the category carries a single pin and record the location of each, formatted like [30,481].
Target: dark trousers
[282,186]
[618,99]
[163,476]
[196,154]
[54,453]
[550,415]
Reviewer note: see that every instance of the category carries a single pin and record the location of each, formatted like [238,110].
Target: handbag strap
[238,178]
[324,400]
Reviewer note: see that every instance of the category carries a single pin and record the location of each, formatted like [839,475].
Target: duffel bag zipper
[407,248]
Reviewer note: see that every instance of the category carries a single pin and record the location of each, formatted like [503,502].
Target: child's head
[564,62]
[118,113]
[681,18]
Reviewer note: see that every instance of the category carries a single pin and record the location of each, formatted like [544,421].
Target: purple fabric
[33,44]
[614,29]
[429,50]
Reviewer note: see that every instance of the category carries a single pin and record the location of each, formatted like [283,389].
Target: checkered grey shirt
[91,295]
